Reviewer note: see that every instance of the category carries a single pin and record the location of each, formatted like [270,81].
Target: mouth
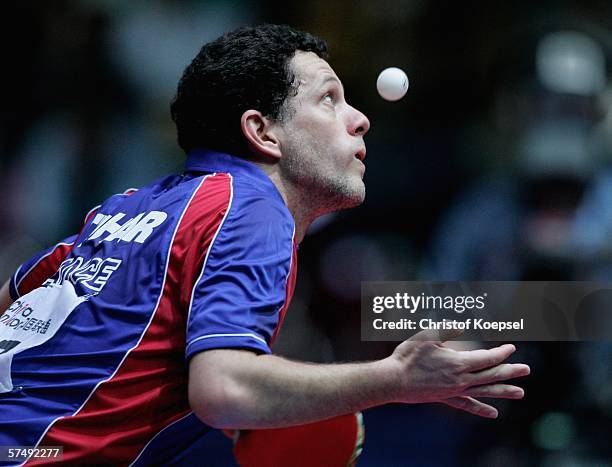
[361,154]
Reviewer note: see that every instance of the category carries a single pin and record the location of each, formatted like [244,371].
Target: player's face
[322,138]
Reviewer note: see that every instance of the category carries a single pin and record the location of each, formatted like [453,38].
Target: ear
[260,133]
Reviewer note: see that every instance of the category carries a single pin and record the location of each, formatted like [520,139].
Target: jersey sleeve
[39,268]
[237,300]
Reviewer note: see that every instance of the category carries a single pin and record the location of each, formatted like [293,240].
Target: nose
[359,123]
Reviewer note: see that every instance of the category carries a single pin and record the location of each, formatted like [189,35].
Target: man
[201,266]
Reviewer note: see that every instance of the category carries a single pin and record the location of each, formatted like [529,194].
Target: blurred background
[497,165]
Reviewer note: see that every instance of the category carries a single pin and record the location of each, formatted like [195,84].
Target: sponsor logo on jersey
[92,273]
[137,229]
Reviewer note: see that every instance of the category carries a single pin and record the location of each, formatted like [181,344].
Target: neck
[298,204]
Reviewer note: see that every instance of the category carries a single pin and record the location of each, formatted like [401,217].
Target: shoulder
[257,215]
[259,203]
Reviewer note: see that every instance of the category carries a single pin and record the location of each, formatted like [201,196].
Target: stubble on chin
[319,191]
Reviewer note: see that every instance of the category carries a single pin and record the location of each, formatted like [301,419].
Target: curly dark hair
[247,68]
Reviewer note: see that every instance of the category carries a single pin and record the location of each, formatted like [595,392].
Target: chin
[353,196]
[358,201]
[359,195]
[336,195]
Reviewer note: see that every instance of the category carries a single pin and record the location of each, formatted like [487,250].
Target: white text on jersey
[136,229]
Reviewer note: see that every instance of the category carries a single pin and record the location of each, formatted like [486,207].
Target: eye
[329,97]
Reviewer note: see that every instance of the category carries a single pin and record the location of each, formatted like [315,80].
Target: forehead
[309,68]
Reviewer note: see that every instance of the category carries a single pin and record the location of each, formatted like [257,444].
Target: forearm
[238,389]
[267,391]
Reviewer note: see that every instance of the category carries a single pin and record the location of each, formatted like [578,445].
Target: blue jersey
[95,348]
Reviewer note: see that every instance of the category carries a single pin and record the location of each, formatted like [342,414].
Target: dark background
[495,166]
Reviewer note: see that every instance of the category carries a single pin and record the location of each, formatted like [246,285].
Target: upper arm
[237,302]
[214,382]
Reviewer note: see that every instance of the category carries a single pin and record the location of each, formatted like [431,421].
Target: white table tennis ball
[392,84]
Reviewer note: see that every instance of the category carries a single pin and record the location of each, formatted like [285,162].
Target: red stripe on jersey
[45,268]
[289,289]
[149,389]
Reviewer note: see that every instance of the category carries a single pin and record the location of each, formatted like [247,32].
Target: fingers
[499,391]
[486,358]
[499,373]
[437,336]
[471,405]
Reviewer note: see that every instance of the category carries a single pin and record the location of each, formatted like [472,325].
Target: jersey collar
[207,160]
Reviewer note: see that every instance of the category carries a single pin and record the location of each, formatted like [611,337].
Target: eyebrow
[329,78]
